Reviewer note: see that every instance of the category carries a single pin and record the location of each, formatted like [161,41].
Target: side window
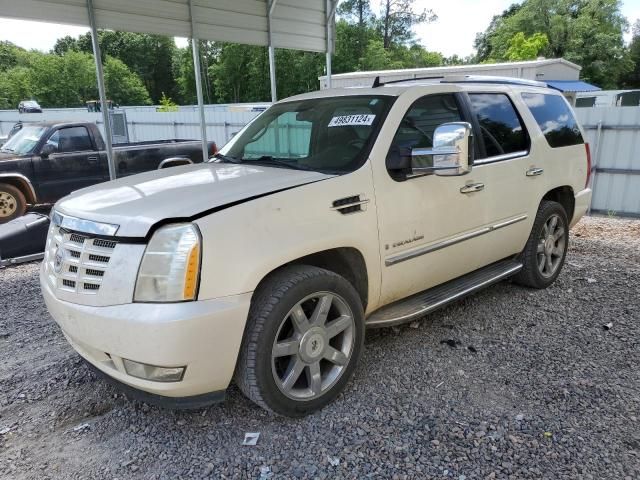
[500,126]
[555,119]
[71,139]
[423,117]
[285,137]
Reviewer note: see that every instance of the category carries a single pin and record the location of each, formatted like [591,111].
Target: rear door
[75,163]
[509,192]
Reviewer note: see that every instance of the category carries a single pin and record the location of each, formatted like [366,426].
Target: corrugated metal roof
[296,24]
[572,86]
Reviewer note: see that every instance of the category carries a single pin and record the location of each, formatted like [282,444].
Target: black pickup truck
[45,161]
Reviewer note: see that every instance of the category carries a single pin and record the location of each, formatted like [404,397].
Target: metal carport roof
[295,24]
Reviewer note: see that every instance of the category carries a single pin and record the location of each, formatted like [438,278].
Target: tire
[546,249]
[13,203]
[278,345]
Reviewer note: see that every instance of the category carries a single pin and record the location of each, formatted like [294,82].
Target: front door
[436,228]
[75,163]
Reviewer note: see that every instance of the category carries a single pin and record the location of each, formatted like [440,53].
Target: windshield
[332,135]
[24,141]
[31,103]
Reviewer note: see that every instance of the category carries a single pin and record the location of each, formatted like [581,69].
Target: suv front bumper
[203,336]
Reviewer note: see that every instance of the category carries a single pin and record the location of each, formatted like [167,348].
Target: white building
[556,72]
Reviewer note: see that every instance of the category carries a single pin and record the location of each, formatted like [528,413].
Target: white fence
[614,137]
[150,125]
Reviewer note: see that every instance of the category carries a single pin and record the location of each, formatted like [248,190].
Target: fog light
[153,373]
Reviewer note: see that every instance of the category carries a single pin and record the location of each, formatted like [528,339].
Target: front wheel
[303,339]
[546,249]
[13,204]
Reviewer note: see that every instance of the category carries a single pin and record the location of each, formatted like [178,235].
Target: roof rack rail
[468,79]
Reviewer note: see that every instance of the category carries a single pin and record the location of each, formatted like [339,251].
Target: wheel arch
[23,184]
[564,196]
[348,262]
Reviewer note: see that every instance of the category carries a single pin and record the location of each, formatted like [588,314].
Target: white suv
[331,212]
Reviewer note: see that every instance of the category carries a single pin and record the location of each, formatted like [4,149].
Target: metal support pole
[198,74]
[331,11]
[272,52]
[101,90]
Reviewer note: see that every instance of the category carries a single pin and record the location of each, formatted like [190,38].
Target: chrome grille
[77,263]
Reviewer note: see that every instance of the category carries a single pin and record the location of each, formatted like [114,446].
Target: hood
[138,202]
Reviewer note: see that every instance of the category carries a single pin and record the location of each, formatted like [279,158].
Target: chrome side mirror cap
[452,152]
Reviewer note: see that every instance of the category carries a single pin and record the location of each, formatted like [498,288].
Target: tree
[632,79]
[397,20]
[123,86]
[526,48]
[149,56]
[65,44]
[586,32]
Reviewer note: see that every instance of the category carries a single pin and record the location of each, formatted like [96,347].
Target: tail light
[213,149]
[588,149]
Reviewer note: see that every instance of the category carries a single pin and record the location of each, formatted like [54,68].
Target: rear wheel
[13,204]
[546,249]
[303,340]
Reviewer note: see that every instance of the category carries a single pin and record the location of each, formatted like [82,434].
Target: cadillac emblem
[58,260]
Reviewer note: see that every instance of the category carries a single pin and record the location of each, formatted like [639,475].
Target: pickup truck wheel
[13,204]
[303,339]
[546,249]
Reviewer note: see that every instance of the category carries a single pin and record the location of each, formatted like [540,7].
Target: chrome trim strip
[84,226]
[401,257]
[498,158]
[428,308]
[24,179]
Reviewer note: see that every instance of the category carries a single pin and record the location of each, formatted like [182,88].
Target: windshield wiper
[10,150]
[275,162]
[227,158]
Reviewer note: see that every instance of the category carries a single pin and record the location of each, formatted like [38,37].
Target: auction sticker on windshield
[348,120]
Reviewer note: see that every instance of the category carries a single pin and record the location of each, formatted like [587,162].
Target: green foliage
[167,105]
[123,86]
[397,20]
[67,80]
[586,32]
[526,48]
[632,79]
[149,56]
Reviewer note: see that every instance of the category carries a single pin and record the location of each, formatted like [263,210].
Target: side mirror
[47,150]
[452,152]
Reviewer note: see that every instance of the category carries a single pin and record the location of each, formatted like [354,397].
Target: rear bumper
[582,202]
[203,336]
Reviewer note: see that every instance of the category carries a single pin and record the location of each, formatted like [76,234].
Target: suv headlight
[170,267]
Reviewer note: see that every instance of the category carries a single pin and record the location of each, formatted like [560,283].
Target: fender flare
[23,183]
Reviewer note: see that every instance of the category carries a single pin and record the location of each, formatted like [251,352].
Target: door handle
[472,187]
[92,159]
[534,172]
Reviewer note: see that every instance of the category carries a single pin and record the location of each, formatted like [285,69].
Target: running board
[422,303]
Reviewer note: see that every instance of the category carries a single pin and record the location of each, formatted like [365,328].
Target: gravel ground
[509,383]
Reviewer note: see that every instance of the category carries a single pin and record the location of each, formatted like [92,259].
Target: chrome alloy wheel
[551,246]
[313,346]
[8,204]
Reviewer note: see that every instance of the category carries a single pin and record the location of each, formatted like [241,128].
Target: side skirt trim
[401,257]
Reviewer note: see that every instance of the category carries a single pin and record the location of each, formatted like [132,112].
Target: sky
[453,32]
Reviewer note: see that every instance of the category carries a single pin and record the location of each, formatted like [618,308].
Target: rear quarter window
[555,119]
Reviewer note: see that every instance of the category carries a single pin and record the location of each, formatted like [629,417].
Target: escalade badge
[58,260]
